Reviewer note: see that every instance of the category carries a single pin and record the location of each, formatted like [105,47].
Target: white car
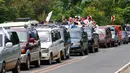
[52,46]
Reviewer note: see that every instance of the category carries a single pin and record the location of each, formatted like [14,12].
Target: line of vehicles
[28,43]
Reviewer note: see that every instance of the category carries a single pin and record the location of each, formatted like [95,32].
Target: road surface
[107,60]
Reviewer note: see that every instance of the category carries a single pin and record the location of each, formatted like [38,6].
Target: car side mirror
[31,40]
[9,44]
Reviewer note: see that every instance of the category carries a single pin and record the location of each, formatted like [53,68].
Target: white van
[52,46]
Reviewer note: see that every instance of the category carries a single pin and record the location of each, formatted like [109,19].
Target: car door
[34,46]
[107,35]
[7,54]
[85,40]
[60,42]
[54,43]
[15,50]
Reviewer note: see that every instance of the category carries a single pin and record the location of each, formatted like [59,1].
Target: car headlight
[45,50]
[76,44]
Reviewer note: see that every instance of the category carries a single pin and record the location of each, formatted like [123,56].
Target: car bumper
[101,42]
[1,66]
[45,56]
[75,49]
[23,58]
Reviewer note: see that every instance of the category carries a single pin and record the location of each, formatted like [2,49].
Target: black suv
[65,35]
[30,46]
[93,39]
[79,41]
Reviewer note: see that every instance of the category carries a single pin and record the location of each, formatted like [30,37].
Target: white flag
[6,33]
[49,16]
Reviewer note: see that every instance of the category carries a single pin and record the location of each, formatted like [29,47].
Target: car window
[1,40]
[107,31]
[22,36]
[57,35]
[14,38]
[33,34]
[120,28]
[67,35]
[53,36]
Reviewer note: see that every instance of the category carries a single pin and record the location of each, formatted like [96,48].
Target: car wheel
[105,44]
[27,65]
[109,44]
[38,62]
[82,53]
[68,53]
[64,55]
[3,68]
[86,51]
[17,68]
[50,59]
[59,59]
[68,56]
[92,49]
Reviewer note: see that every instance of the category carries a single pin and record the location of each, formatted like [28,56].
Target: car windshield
[1,41]
[44,36]
[75,34]
[22,36]
[88,31]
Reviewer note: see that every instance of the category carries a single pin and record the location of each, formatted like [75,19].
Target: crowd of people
[77,21]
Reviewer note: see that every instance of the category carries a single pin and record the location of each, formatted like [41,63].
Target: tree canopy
[100,10]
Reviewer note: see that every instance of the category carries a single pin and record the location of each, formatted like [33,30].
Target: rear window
[120,28]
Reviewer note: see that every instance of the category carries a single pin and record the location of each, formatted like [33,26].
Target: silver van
[10,52]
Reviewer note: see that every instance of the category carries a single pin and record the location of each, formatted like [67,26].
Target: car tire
[92,49]
[109,44]
[3,68]
[59,59]
[63,56]
[27,64]
[105,45]
[17,68]
[86,51]
[82,53]
[38,62]
[50,59]
[68,56]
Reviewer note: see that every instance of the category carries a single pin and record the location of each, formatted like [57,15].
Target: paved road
[106,61]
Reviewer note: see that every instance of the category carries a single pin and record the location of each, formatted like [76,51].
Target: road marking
[122,68]
[53,67]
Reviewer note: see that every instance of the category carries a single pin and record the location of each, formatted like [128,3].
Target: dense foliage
[100,10]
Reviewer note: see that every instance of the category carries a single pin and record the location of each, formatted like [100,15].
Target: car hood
[75,40]
[45,44]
